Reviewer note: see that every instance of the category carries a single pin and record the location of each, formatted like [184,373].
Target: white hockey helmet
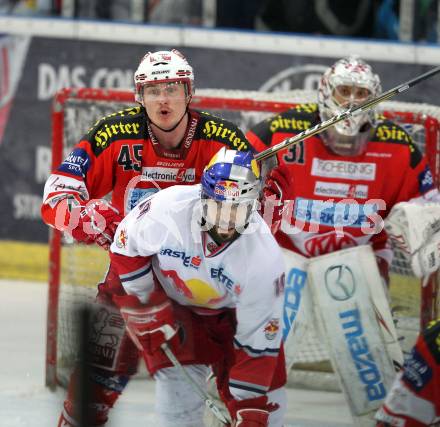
[162,67]
[347,83]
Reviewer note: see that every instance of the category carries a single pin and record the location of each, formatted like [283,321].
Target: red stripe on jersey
[254,370]
[127,264]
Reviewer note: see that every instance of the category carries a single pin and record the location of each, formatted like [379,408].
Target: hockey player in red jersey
[132,154]
[329,198]
[201,270]
[414,399]
[338,185]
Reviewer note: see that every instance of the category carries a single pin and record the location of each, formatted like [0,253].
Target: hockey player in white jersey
[201,270]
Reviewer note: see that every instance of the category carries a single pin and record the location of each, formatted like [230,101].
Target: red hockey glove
[250,412]
[95,222]
[252,418]
[275,189]
[149,326]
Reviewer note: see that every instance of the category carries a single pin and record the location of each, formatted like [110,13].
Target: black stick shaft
[83,392]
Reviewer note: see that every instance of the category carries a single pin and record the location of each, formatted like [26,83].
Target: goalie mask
[349,82]
[230,191]
[163,67]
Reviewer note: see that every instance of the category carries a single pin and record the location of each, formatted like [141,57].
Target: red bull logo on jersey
[196,291]
[271,329]
[227,189]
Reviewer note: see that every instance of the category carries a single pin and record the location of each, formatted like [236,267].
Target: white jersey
[162,237]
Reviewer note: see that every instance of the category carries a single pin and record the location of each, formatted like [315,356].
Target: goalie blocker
[346,295]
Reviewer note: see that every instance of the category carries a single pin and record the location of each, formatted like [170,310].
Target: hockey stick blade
[367,105]
[202,393]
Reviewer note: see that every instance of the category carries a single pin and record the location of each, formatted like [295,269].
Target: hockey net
[76,269]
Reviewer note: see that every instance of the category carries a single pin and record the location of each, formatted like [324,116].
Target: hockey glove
[95,222]
[252,418]
[274,192]
[149,326]
[250,412]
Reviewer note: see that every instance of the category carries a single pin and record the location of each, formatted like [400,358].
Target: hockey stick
[367,105]
[202,393]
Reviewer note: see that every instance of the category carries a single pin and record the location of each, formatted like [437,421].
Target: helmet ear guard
[163,67]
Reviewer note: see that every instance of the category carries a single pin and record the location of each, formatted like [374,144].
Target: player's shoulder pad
[294,120]
[391,132]
[128,123]
[431,335]
[213,128]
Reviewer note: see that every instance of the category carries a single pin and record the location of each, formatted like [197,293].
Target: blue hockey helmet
[230,189]
[231,176]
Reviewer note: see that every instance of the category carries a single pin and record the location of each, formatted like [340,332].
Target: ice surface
[25,402]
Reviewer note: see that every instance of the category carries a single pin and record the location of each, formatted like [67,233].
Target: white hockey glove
[414,231]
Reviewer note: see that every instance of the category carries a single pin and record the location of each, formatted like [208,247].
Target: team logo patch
[227,189]
[77,163]
[121,240]
[211,246]
[271,329]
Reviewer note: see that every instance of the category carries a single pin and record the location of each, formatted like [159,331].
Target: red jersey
[120,154]
[414,399]
[337,201]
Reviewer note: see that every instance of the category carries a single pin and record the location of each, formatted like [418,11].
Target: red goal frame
[428,310]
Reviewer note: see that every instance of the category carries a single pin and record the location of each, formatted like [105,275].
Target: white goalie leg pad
[355,320]
[177,403]
[297,304]
[414,231]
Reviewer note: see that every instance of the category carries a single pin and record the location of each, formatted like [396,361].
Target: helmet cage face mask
[230,190]
[349,82]
[163,67]
[344,145]
[227,215]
